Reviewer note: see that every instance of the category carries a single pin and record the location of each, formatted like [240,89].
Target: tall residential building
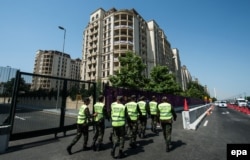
[54,63]
[186,77]
[110,34]
[160,52]
[177,66]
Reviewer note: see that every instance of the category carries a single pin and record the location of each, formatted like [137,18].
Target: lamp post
[60,69]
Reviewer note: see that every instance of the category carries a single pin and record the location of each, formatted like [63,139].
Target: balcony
[123,42]
[123,27]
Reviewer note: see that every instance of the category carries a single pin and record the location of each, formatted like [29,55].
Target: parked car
[223,104]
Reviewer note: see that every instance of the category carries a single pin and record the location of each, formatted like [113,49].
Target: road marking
[17,117]
[205,124]
[225,112]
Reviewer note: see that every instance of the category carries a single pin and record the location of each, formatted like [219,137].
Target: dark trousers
[167,131]
[133,129]
[142,125]
[154,120]
[99,132]
[119,137]
[82,129]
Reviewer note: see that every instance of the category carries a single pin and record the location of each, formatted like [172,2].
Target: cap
[85,99]
[133,96]
[164,98]
[142,98]
[119,97]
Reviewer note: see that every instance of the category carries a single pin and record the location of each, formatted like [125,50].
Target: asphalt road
[209,142]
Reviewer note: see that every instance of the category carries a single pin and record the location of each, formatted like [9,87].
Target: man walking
[99,122]
[167,115]
[118,111]
[83,121]
[143,117]
[133,111]
[153,113]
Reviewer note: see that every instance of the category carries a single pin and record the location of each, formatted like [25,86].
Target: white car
[216,103]
[223,104]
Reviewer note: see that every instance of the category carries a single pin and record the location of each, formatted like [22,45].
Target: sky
[212,36]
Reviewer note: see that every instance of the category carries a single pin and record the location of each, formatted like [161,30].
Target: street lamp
[60,69]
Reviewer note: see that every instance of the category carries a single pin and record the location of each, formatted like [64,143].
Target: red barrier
[244,110]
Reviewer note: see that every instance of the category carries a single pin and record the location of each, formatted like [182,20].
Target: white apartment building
[186,77]
[112,33]
[177,66]
[54,63]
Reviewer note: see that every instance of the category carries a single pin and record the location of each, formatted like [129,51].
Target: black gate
[42,105]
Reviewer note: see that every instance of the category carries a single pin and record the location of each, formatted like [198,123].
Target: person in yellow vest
[167,115]
[144,108]
[133,111]
[153,105]
[99,122]
[118,119]
[83,121]
[112,131]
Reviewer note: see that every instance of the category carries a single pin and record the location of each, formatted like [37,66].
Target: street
[209,142]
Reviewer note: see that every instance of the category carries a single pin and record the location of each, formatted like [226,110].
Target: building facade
[186,77]
[111,34]
[54,63]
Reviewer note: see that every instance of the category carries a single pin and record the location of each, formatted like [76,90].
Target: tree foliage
[10,84]
[195,90]
[131,72]
[162,81]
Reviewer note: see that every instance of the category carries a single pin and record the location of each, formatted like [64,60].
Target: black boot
[85,148]
[99,147]
[120,155]
[93,146]
[113,151]
[167,148]
[69,150]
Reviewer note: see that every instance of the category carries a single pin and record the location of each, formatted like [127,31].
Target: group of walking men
[124,113]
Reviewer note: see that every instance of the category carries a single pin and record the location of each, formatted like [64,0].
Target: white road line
[17,117]
[205,124]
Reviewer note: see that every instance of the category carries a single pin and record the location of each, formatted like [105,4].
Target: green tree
[195,90]
[163,81]
[10,84]
[131,72]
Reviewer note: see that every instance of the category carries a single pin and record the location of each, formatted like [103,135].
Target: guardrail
[192,117]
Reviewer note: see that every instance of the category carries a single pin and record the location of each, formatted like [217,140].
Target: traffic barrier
[193,117]
[243,109]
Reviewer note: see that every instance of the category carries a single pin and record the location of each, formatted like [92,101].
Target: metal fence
[42,105]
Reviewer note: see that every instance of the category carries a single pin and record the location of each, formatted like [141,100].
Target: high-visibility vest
[98,107]
[153,107]
[132,110]
[142,106]
[165,111]
[81,115]
[118,114]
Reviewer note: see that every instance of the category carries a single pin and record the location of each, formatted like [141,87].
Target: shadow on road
[140,144]
[176,144]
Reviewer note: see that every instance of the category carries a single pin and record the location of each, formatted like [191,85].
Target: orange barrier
[244,110]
